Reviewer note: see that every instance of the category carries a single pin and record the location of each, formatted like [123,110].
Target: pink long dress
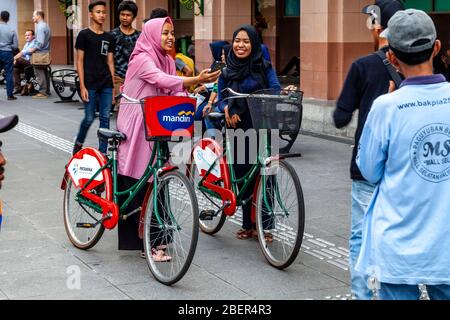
[151,72]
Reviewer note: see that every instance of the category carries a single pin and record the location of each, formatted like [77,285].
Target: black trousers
[129,229]
[241,169]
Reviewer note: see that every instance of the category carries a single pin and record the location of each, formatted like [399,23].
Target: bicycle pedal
[207,215]
[85,225]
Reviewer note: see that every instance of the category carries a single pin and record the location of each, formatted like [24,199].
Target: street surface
[37,259]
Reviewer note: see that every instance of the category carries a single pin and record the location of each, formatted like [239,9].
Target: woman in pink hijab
[151,72]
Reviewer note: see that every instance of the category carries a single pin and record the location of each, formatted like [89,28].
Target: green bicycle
[169,213]
[278,206]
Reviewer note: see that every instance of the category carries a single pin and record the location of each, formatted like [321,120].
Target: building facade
[327,35]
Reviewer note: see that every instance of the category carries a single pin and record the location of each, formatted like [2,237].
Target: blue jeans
[102,98]
[361,195]
[390,291]
[7,63]
[210,126]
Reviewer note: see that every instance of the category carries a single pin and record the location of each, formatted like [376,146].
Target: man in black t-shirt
[125,41]
[367,79]
[95,66]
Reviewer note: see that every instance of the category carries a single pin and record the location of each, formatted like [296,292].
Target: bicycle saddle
[106,134]
[216,116]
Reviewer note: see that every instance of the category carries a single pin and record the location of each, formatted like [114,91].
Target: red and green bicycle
[169,213]
[278,207]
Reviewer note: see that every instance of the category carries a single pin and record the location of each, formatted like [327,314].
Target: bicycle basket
[166,117]
[272,110]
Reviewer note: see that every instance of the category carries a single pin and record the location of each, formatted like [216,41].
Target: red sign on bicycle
[167,116]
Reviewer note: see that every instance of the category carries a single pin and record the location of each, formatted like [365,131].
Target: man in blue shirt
[8,42]
[405,150]
[22,59]
[43,38]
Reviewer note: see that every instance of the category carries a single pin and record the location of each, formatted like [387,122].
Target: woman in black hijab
[247,71]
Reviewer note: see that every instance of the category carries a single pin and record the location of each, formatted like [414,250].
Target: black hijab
[238,70]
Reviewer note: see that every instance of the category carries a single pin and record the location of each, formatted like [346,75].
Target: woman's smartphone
[218,65]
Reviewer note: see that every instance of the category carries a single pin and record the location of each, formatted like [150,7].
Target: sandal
[160,256]
[267,236]
[243,234]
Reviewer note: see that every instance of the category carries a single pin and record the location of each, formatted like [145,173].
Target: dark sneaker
[12,98]
[77,147]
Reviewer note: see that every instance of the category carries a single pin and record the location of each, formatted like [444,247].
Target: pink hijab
[148,47]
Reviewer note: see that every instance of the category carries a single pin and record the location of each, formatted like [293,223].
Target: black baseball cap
[7,123]
[383,10]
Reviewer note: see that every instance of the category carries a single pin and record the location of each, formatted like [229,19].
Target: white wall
[11,7]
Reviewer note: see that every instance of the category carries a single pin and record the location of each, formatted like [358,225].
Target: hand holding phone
[217,65]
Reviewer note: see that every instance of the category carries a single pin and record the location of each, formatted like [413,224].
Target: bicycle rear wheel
[280,215]
[77,216]
[207,202]
[177,230]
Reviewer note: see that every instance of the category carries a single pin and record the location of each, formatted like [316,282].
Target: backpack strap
[395,76]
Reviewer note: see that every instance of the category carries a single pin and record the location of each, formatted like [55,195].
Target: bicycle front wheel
[79,219]
[280,215]
[171,226]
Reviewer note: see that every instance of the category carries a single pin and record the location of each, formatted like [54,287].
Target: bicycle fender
[147,197]
[166,170]
[64,180]
[254,199]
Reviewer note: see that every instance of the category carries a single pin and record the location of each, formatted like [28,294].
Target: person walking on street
[43,38]
[8,42]
[125,41]
[367,79]
[95,67]
[404,149]
[22,60]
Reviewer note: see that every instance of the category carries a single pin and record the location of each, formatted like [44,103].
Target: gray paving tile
[48,281]
[3,296]
[103,293]
[337,293]
[197,284]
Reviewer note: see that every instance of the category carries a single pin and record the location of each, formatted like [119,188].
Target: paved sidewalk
[37,259]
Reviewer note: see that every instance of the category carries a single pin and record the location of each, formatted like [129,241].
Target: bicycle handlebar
[123,95]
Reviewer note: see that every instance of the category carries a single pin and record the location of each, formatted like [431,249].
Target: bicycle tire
[181,259]
[206,203]
[284,235]
[75,233]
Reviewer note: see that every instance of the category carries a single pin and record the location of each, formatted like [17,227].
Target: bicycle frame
[91,200]
[246,180]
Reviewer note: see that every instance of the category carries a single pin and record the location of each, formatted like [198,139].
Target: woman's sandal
[243,234]
[267,236]
[160,256]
